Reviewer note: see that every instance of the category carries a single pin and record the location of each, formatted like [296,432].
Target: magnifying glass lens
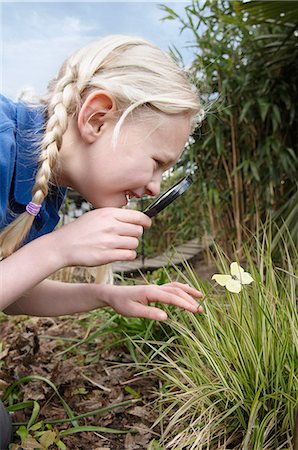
[168,197]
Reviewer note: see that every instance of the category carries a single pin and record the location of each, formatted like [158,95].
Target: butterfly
[234,282]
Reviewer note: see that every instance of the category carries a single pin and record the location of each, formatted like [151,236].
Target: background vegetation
[246,68]
[226,378]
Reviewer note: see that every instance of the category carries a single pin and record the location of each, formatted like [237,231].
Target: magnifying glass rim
[169,196]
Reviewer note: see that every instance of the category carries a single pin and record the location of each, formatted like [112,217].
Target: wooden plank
[182,252]
[187,252]
[126,267]
[190,246]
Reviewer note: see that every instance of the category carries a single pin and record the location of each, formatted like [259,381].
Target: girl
[116,117]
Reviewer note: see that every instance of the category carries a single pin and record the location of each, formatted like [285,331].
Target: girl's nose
[153,188]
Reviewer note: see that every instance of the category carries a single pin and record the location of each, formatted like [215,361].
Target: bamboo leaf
[276,114]
[264,107]
[245,109]
[172,15]
[254,171]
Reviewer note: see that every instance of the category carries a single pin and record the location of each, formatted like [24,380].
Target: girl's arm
[54,298]
[99,237]
[96,238]
[26,268]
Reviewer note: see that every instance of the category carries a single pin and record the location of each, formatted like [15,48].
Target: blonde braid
[59,104]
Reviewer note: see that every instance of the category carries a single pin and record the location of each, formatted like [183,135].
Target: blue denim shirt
[21,128]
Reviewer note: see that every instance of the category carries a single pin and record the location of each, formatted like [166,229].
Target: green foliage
[265,11]
[245,65]
[175,224]
[230,374]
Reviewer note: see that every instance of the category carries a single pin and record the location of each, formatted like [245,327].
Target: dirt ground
[87,378]
[86,381]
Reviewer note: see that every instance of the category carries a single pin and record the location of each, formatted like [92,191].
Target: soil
[88,378]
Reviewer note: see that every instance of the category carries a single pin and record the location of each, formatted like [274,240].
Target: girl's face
[107,176]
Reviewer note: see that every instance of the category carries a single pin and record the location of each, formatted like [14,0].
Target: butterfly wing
[222,280]
[246,278]
[236,270]
[233,286]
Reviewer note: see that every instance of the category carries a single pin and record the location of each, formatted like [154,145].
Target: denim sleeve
[7,164]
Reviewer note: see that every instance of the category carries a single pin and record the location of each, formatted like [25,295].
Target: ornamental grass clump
[230,374]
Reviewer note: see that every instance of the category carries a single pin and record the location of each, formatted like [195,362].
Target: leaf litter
[87,378]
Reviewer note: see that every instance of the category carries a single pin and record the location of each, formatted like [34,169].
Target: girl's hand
[133,301]
[100,237]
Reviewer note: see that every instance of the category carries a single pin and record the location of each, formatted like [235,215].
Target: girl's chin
[111,202]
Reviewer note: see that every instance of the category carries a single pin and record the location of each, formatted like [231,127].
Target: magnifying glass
[168,197]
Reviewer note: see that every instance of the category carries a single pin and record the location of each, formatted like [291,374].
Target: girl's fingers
[179,293]
[132,301]
[127,243]
[130,229]
[185,287]
[185,291]
[148,312]
[171,297]
[120,255]
[133,216]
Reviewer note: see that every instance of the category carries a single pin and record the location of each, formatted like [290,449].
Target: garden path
[186,251]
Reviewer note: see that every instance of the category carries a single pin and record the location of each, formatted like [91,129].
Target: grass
[230,374]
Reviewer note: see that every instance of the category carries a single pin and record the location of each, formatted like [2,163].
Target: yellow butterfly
[234,282]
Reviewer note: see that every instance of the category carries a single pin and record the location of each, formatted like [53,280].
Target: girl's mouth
[130,194]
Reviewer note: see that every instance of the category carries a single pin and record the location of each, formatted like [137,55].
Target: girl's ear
[93,114]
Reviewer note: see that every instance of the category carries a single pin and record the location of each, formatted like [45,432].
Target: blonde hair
[135,72]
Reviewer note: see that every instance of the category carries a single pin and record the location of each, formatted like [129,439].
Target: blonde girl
[116,117]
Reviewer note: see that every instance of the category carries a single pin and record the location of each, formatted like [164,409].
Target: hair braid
[60,102]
